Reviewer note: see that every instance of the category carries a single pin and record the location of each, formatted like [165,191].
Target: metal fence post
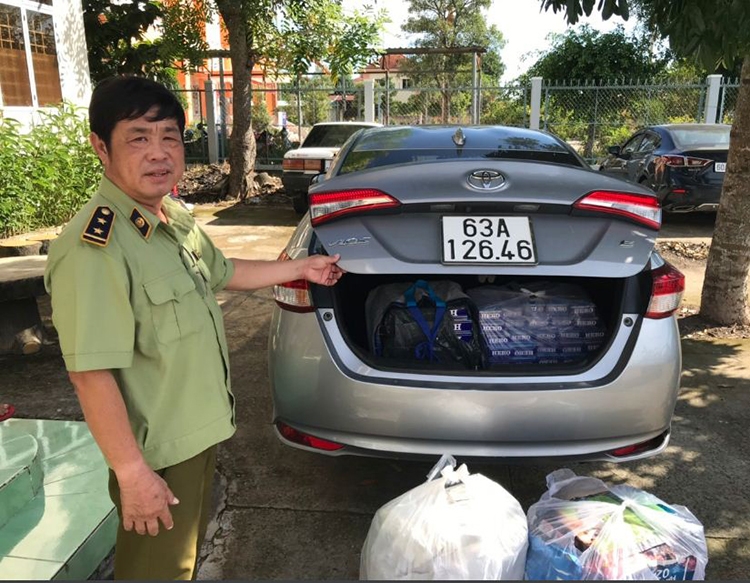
[369,100]
[387,97]
[299,107]
[479,95]
[213,139]
[536,102]
[525,104]
[474,90]
[712,103]
[592,130]
[343,99]
[223,109]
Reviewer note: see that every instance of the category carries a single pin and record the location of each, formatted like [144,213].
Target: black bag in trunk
[423,322]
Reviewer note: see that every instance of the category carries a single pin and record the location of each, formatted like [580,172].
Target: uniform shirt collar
[142,220]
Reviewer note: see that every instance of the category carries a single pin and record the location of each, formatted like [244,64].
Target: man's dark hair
[129,97]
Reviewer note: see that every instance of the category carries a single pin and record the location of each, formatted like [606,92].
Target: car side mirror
[614,150]
[317,179]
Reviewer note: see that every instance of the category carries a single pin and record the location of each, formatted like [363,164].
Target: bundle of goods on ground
[457,526]
[582,529]
[465,526]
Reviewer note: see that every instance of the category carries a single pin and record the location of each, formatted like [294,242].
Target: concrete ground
[287,514]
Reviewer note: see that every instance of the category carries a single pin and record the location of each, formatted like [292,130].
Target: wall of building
[71,58]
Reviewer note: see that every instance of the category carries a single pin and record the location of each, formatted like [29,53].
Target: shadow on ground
[687,225]
[248,214]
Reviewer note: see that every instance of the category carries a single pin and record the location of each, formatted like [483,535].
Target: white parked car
[314,157]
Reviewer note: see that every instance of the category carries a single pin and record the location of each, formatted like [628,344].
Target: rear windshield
[332,136]
[373,151]
[356,161]
[702,138]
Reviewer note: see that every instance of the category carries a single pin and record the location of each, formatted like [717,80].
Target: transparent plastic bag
[541,322]
[456,526]
[581,529]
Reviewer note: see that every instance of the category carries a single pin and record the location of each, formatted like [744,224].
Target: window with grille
[29,71]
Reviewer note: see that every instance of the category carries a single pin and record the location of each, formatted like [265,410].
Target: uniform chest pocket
[176,307]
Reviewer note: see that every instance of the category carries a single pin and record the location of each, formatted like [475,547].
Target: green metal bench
[56,518]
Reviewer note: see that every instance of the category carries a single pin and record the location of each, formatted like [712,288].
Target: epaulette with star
[99,227]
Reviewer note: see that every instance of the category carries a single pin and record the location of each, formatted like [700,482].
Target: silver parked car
[487,208]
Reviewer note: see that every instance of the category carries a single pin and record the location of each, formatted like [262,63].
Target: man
[132,280]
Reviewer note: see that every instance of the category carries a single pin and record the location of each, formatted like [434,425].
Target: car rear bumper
[561,417]
[296,182]
[695,198]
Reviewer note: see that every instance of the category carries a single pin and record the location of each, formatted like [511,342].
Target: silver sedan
[511,232]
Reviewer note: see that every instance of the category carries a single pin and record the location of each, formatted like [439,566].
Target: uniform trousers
[172,554]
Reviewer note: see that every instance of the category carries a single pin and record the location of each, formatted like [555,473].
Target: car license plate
[720,166]
[488,240]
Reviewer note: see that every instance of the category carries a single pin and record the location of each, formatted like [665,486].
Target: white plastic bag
[581,529]
[457,526]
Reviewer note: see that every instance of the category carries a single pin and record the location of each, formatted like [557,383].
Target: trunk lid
[410,238]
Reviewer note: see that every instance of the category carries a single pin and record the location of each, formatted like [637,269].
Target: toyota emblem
[486,180]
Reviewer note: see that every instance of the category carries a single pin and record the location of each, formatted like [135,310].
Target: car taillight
[316,165]
[293,164]
[293,295]
[666,291]
[642,447]
[685,161]
[295,436]
[640,208]
[330,205]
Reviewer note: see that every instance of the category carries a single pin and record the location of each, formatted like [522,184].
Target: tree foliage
[446,24]
[450,24]
[115,37]
[118,41]
[46,174]
[587,54]
[714,33]
[286,35]
[314,99]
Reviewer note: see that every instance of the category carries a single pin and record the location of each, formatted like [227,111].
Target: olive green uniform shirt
[134,295]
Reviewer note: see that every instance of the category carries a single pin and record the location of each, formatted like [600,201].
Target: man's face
[145,158]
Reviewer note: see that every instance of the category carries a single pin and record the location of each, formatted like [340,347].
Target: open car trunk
[612,298]
[534,231]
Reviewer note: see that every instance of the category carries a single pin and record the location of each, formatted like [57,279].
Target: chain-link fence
[590,116]
[508,105]
[196,103]
[729,90]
